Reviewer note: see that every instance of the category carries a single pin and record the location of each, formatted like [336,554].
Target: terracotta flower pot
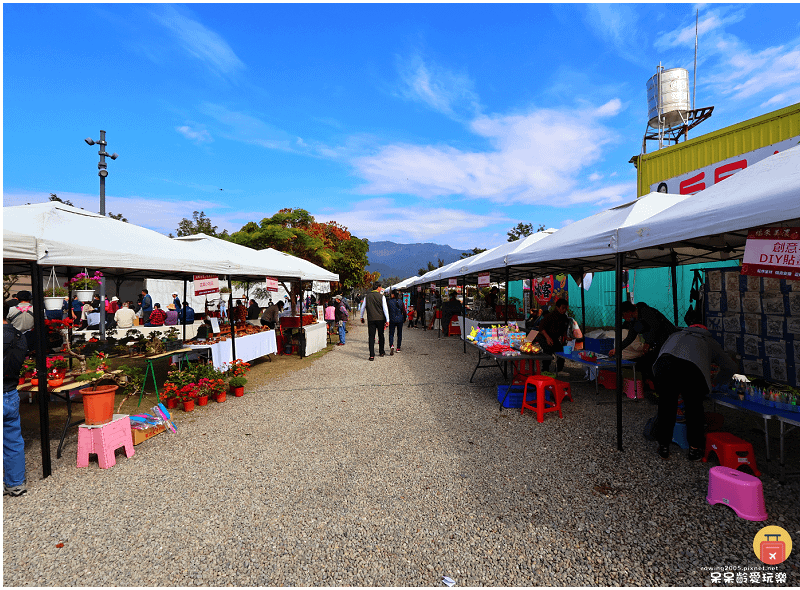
[172,403]
[237,391]
[98,403]
[188,406]
[221,397]
[202,400]
[34,381]
[57,382]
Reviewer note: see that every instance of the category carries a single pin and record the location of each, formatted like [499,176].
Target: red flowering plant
[237,368]
[55,363]
[169,391]
[189,392]
[211,387]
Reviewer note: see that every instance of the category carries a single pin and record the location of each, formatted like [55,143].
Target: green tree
[472,252]
[117,216]
[431,267]
[522,230]
[199,224]
[56,198]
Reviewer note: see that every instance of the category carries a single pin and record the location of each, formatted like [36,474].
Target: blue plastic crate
[514,399]
[598,345]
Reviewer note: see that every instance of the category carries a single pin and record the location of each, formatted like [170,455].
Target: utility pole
[102,173]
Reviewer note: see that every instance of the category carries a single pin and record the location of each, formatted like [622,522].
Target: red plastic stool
[563,390]
[540,382]
[731,451]
[523,369]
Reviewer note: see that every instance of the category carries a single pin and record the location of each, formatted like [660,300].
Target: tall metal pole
[464,311]
[232,319]
[40,329]
[618,344]
[583,304]
[674,270]
[102,172]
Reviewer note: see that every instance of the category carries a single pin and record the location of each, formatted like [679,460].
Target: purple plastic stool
[741,491]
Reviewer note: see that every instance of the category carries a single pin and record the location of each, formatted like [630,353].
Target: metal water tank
[671,99]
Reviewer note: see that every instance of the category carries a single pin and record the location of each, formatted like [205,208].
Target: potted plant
[213,388]
[169,395]
[28,369]
[54,297]
[188,394]
[84,285]
[237,385]
[57,365]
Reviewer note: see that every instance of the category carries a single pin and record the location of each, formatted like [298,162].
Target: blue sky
[414,123]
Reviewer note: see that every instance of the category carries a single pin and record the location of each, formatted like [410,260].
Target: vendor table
[485,354]
[63,392]
[474,324]
[248,348]
[766,412]
[316,338]
[602,362]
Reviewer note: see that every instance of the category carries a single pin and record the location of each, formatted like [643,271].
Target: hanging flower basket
[84,295]
[54,303]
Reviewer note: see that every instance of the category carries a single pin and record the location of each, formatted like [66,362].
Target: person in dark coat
[397,316]
[684,367]
[253,310]
[553,331]
[654,327]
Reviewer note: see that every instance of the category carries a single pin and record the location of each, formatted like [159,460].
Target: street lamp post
[102,173]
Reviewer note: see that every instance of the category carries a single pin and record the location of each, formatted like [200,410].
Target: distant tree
[522,230]
[117,216]
[55,197]
[199,224]
[472,252]
[431,267]
[391,281]
[440,262]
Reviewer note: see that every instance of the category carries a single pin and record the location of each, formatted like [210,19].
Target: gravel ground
[388,473]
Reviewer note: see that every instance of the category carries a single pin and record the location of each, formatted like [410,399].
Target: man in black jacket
[654,327]
[374,304]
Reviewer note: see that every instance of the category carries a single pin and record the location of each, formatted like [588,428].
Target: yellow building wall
[714,147]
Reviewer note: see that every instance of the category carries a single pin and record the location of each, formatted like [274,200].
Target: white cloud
[710,23]
[443,90]
[161,215]
[196,135]
[533,157]
[608,195]
[382,219]
[594,176]
[198,41]
[618,25]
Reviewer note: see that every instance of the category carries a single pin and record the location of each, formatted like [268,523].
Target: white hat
[175,294]
[115,298]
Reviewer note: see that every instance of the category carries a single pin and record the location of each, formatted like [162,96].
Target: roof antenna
[694,92]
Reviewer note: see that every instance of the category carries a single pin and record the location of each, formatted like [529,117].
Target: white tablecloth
[248,348]
[316,337]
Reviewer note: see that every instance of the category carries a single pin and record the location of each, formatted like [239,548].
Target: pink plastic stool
[540,382]
[103,440]
[633,390]
[731,451]
[741,491]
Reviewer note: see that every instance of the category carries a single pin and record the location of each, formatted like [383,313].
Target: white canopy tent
[716,220]
[54,234]
[308,270]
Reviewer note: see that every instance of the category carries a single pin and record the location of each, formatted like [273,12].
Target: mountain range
[404,260]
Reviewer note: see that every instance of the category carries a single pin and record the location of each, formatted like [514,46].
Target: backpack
[15,348]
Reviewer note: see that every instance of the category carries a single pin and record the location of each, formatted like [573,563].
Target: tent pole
[506,314]
[438,286]
[583,304]
[531,293]
[673,268]
[464,311]
[618,341]
[183,309]
[40,330]
[232,319]
[103,307]
[69,312]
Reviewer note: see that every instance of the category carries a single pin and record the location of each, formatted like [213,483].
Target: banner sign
[433,285]
[773,252]
[205,284]
[483,279]
[702,178]
[272,284]
[452,282]
[407,299]
[543,289]
[419,288]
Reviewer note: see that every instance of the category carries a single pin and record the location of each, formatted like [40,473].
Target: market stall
[248,348]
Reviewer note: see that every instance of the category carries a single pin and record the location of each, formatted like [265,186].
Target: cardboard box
[139,436]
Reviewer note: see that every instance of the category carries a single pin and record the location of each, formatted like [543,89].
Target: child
[410,316]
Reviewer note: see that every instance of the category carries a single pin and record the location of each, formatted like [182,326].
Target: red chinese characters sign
[773,252]
[543,289]
[483,279]
[272,284]
[204,284]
